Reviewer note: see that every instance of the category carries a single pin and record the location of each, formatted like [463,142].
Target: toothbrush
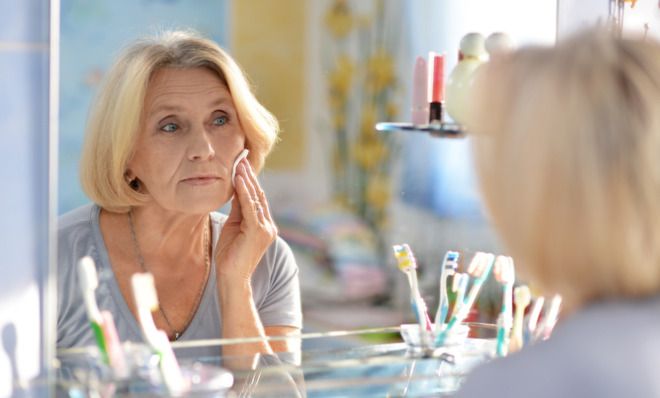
[407,264]
[459,286]
[521,297]
[102,323]
[115,350]
[146,301]
[549,320]
[532,322]
[240,157]
[449,267]
[89,281]
[479,268]
[505,274]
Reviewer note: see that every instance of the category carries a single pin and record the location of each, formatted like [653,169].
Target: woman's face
[189,138]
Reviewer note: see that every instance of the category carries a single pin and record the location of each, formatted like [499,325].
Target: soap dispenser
[471,55]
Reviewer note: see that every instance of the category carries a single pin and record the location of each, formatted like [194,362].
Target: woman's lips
[201,180]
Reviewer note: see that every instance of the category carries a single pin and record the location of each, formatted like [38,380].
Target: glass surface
[391,369]
[344,202]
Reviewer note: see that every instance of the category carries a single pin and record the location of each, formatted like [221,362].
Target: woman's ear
[132,180]
[135,184]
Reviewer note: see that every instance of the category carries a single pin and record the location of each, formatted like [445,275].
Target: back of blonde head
[114,120]
[566,146]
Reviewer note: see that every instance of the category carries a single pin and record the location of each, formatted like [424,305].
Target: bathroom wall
[26,219]
[92,33]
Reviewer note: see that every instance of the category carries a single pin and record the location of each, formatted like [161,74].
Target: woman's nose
[200,146]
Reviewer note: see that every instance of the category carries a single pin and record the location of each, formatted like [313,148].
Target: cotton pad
[240,157]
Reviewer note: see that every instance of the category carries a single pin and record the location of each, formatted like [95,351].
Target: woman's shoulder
[279,257]
[531,372]
[76,234]
[79,218]
[587,355]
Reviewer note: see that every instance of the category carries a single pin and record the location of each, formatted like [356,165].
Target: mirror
[342,194]
[428,196]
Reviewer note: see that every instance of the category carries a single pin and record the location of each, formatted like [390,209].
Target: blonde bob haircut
[567,150]
[115,116]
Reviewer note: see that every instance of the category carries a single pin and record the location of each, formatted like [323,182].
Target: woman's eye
[169,128]
[220,120]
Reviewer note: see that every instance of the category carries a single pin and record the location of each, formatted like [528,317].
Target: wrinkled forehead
[172,87]
[184,80]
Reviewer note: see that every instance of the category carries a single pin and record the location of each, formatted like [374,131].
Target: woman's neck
[169,236]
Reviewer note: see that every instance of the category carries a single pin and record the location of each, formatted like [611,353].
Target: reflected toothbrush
[521,298]
[146,301]
[449,267]
[101,322]
[505,274]
[459,286]
[113,344]
[549,320]
[408,265]
[89,281]
[480,268]
[532,322]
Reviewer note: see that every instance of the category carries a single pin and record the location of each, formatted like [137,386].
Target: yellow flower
[391,111]
[369,154]
[380,71]
[378,192]
[335,103]
[363,21]
[341,201]
[339,20]
[340,79]
[339,120]
[368,122]
[338,162]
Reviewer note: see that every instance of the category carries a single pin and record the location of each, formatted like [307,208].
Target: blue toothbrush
[506,275]
[479,268]
[449,267]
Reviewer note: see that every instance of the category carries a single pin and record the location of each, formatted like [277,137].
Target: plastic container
[410,334]
[81,373]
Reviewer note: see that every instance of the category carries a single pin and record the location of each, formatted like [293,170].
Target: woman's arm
[241,319]
[288,345]
[245,237]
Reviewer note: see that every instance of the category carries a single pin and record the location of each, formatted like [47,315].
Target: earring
[134,184]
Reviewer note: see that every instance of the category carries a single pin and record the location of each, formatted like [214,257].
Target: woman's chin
[204,204]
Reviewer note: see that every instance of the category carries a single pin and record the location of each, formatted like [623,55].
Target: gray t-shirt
[610,349]
[275,287]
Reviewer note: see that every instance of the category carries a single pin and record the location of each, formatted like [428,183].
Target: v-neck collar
[120,300]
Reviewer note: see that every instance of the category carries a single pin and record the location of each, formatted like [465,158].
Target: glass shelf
[443,130]
[366,370]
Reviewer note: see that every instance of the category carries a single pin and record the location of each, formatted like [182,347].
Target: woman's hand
[248,231]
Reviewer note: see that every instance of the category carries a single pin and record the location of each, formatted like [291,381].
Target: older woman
[172,116]
[566,144]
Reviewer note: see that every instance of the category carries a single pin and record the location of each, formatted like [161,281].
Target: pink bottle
[420,105]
